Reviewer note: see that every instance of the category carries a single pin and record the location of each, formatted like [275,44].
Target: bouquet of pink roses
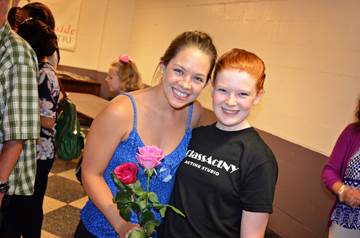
[131,197]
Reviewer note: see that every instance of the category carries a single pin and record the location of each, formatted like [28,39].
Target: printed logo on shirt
[213,163]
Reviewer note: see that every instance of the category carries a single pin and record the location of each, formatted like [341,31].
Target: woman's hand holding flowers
[131,197]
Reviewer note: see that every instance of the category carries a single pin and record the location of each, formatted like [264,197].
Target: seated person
[123,76]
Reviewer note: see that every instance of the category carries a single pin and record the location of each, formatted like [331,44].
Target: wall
[312,56]
[104,34]
[309,48]
[302,203]
[310,51]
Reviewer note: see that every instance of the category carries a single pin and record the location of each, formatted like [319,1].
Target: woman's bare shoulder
[118,107]
[118,113]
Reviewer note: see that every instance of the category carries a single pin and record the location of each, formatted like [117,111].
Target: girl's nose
[231,100]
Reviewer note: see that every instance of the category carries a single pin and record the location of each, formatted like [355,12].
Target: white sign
[66,15]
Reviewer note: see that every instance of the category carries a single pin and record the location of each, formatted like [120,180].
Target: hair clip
[26,20]
[124,58]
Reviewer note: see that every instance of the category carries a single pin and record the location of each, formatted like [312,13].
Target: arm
[8,157]
[47,122]
[22,98]
[257,197]
[101,142]
[331,172]
[348,195]
[49,92]
[253,224]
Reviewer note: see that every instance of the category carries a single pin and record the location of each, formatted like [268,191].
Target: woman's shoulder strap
[191,108]
[133,105]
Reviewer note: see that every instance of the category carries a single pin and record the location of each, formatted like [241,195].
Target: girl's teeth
[229,111]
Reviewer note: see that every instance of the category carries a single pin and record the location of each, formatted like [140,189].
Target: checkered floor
[63,200]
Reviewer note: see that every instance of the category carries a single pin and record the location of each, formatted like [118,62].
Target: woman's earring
[162,69]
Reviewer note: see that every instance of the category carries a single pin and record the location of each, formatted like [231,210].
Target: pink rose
[150,156]
[126,173]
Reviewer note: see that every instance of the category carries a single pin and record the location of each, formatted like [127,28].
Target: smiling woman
[185,76]
[162,115]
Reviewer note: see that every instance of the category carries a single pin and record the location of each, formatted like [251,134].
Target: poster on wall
[66,15]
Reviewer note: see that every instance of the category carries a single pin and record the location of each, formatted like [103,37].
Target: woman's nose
[186,82]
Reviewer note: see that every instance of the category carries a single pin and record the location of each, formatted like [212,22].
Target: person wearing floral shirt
[44,41]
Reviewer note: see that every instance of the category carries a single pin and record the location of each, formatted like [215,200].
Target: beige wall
[310,49]
[104,33]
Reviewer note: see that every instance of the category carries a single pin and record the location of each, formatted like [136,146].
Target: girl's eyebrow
[200,74]
[244,91]
[230,88]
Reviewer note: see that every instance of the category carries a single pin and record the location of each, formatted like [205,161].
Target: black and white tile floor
[63,200]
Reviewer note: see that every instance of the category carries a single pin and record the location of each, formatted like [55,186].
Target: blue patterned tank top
[162,183]
[344,215]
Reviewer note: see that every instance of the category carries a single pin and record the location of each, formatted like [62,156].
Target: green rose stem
[149,174]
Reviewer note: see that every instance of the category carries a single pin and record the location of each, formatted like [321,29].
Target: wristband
[4,187]
[341,192]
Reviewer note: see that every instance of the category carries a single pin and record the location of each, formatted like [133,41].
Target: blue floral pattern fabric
[161,183]
[344,215]
[49,92]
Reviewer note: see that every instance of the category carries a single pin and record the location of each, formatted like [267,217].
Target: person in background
[44,42]
[226,183]
[162,115]
[11,17]
[123,76]
[19,127]
[341,175]
[39,11]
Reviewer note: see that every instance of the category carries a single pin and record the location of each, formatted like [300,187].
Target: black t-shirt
[223,173]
